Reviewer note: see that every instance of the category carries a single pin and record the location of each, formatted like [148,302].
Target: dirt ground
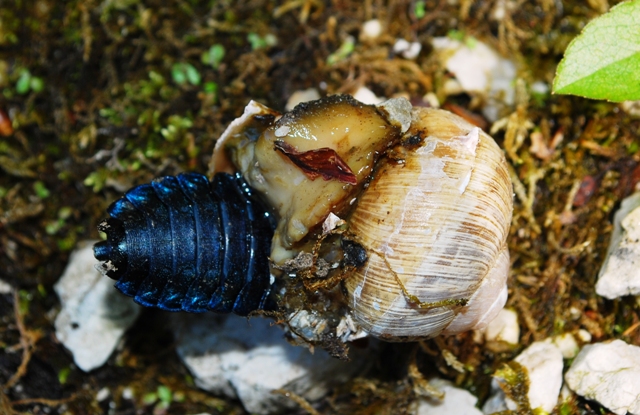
[98,96]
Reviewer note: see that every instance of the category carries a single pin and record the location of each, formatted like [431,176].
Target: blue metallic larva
[186,244]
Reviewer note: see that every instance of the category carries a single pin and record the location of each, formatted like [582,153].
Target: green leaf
[36,84]
[193,76]
[178,74]
[213,56]
[603,61]
[24,82]
[164,394]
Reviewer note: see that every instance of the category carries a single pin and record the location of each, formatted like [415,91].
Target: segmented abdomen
[184,243]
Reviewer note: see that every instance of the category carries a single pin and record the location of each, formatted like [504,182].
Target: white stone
[567,345]
[543,362]
[304,95]
[608,373]
[480,70]
[103,394]
[540,87]
[584,336]
[366,96]
[431,99]
[94,315]
[544,365]
[371,29]
[408,50]
[620,273]
[631,107]
[5,287]
[504,327]
[456,401]
[248,359]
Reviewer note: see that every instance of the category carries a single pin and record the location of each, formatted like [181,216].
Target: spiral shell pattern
[435,229]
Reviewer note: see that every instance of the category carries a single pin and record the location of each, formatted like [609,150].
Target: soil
[100,96]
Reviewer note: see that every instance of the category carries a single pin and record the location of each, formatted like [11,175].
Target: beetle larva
[182,243]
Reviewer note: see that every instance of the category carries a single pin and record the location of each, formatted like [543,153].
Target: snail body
[426,202]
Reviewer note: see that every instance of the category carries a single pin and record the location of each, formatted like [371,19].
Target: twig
[28,340]
[304,404]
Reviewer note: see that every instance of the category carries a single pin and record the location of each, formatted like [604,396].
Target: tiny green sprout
[343,51]
[210,87]
[54,226]
[213,56]
[150,398]
[631,149]
[96,180]
[23,83]
[419,9]
[67,243]
[36,84]
[3,192]
[27,82]
[156,78]
[41,190]
[24,301]
[181,73]
[456,35]
[164,394]
[177,126]
[63,375]
[261,42]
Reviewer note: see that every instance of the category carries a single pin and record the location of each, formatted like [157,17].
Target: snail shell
[435,228]
[184,244]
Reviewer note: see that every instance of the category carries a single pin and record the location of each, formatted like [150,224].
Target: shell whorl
[435,225]
[186,244]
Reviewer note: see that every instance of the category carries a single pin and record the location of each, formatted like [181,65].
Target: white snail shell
[431,204]
[436,225]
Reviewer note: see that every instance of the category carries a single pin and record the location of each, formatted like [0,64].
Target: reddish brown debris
[588,187]
[6,127]
[323,162]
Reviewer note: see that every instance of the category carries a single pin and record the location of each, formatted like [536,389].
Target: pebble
[620,273]
[408,50]
[94,315]
[248,359]
[543,361]
[300,96]
[608,373]
[5,287]
[366,96]
[504,327]
[456,401]
[567,345]
[371,29]
[480,70]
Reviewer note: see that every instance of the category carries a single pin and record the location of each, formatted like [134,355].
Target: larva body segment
[185,244]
